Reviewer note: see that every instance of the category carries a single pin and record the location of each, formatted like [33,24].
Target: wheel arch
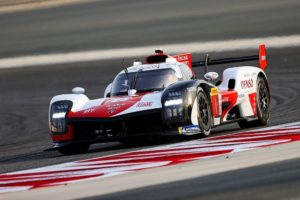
[206,87]
[264,77]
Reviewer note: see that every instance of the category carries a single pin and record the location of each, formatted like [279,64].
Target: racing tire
[204,113]
[74,149]
[262,106]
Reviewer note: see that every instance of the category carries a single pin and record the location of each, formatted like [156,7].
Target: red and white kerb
[166,155]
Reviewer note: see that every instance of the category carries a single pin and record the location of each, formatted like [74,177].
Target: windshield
[145,81]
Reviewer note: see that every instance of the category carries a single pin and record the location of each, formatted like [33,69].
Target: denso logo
[144,104]
[247,84]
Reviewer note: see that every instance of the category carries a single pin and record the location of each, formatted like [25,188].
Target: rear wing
[261,57]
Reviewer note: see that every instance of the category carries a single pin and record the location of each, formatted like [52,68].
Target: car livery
[162,96]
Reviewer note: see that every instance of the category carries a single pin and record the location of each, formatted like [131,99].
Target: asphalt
[25,93]
[117,23]
[249,183]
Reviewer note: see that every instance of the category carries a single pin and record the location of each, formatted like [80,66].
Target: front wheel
[74,149]
[204,113]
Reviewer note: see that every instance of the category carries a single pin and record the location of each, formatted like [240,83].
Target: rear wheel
[204,113]
[74,149]
[262,106]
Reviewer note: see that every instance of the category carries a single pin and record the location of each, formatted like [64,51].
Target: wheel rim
[204,117]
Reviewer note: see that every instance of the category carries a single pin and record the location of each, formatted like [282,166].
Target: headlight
[173,98]
[58,112]
[174,104]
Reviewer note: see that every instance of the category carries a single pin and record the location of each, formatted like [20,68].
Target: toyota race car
[162,96]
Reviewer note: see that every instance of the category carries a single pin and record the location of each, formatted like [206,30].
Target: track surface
[235,184]
[118,23]
[25,93]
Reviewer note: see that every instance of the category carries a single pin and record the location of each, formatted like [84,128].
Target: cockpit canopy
[143,81]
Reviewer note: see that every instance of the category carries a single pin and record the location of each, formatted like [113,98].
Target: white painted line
[193,47]
[26,5]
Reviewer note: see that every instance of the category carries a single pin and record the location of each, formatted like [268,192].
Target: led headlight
[174,98]
[174,104]
[58,112]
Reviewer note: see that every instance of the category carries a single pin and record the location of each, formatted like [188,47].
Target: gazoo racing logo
[144,104]
[245,84]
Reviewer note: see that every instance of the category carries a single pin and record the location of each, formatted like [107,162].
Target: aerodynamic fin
[261,57]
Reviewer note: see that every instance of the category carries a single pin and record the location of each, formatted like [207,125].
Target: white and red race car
[162,96]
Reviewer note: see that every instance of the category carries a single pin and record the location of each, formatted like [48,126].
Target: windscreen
[151,80]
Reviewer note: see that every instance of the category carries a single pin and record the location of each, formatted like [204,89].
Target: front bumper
[108,129]
[100,130]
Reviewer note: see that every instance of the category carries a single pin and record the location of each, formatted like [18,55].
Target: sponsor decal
[144,104]
[111,111]
[109,107]
[247,84]
[214,91]
[166,155]
[115,100]
[145,67]
[189,130]
[215,104]
[115,106]
[217,120]
[252,100]
[184,58]
[112,108]
[89,110]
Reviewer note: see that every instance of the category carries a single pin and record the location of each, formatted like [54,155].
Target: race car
[162,96]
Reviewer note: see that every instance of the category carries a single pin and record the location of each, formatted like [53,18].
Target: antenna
[133,83]
[125,68]
[206,63]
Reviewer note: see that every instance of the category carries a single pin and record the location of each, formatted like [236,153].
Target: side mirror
[210,76]
[107,91]
[78,90]
[132,92]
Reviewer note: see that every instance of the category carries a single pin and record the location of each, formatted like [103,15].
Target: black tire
[74,149]
[262,106]
[204,113]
